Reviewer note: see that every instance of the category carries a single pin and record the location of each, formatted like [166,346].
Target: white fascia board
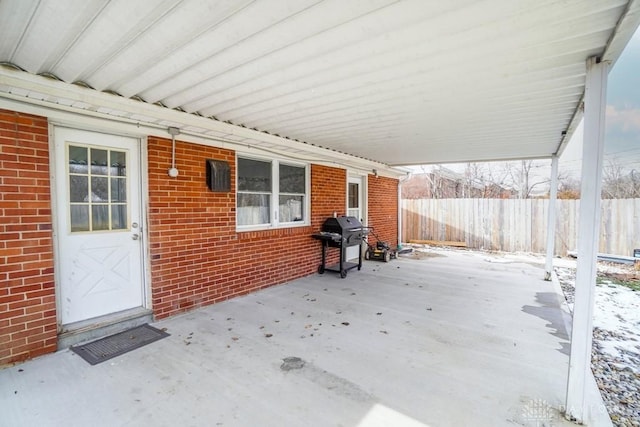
[18,85]
[624,30]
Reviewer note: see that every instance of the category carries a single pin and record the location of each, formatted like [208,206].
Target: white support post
[400,182]
[577,405]
[551,218]
[399,212]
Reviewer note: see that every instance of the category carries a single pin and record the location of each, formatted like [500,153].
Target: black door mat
[123,342]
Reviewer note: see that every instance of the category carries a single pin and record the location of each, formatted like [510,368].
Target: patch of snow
[617,309]
[498,260]
[615,358]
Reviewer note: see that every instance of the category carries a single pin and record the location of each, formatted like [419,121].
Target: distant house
[443,183]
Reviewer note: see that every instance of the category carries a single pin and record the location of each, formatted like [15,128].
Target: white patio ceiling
[396,82]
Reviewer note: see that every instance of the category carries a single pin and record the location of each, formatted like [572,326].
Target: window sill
[285,226]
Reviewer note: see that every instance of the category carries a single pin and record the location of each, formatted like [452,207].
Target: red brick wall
[328,195]
[27,301]
[197,257]
[383,208]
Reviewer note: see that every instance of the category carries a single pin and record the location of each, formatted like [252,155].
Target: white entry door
[355,207]
[98,224]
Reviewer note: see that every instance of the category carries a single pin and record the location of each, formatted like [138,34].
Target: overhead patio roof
[394,82]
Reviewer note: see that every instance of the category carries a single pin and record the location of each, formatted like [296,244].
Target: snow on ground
[617,309]
[616,336]
[615,357]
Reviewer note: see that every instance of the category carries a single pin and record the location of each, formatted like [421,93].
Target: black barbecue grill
[341,232]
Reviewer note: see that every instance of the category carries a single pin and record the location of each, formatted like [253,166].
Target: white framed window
[98,187]
[271,193]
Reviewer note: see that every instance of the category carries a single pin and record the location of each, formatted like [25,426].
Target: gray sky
[622,134]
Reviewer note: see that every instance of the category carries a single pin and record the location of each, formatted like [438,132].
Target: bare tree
[496,182]
[474,180]
[436,183]
[521,177]
[617,183]
[634,178]
[568,186]
[499,180]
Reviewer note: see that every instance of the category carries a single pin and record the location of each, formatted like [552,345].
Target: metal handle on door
[135,236]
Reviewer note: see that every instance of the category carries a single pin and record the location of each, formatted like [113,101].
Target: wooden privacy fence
[518,225]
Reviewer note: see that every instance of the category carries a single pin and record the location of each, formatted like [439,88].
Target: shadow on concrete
[548,310]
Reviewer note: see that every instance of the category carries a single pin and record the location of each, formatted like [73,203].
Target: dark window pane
[254,175]
[100,217]
[80,218]
[353,196]
[99,162]
[291,179]
[77,155]
[99,190]
[118,163]
[118,217]
[77,159]
[78,188]
[291,208]
[253,209]
[118,190]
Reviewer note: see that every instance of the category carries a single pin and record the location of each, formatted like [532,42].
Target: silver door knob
[135,236]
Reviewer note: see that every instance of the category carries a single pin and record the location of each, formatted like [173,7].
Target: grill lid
[341,224]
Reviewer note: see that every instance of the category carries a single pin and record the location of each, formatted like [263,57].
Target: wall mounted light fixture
[173,171]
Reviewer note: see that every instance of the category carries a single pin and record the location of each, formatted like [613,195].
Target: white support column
[400,182]
[551,218]
[399,212]
[577,405]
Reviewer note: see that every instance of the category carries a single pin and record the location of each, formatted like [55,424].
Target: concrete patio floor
[452,339]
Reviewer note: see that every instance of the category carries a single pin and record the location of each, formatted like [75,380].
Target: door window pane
[78,157]
[118,163]
[80,218]
[118,190]
[99,188]
[97,194]
[99,162]
[78,188]
[100,217]
[118,217]
[354,201]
